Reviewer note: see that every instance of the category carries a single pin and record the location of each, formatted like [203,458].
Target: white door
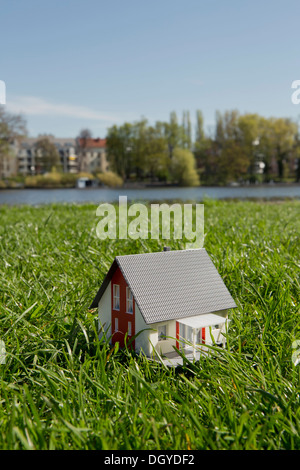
[186,334]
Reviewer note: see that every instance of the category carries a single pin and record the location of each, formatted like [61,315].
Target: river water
[100,195]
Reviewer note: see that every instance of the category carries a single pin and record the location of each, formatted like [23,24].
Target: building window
[116,324]
[116,297]
[162,332]
[129,301]
[129,329]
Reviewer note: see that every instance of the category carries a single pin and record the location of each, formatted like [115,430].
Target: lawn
[62,388]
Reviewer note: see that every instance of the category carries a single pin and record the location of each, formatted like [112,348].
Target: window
[162,332]
[129,329]
[116,324]
[129,301]
[116,297]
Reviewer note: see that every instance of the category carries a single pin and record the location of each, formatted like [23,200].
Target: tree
[283,132]
[156,156]
[227,126]
[232,157]
[189,130]
[46,156]
[253,140]
[173,133]
[203,148]
[12,127]
[233,162]
[138,148]
[183,168]
[265,145]
[296,152]
[200,135]
[119,149]
[186,131]
[149,150]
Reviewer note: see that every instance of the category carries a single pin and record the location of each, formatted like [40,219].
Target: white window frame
[162,336]
[129,301]
[129,328]
[116,296]
[116,324]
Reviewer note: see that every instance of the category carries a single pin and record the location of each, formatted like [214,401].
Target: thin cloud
[34,106]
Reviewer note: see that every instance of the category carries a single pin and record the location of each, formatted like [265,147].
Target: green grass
[62,388]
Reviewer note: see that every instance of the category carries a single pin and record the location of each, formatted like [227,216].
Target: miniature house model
[171,298]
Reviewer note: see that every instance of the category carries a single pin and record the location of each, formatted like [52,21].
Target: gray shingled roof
[170,285]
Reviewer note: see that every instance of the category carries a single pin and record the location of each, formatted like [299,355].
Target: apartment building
[92,155]
[28,158]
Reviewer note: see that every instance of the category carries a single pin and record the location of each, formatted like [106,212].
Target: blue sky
[73,64]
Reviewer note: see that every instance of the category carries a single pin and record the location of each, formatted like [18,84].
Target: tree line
[240,147]
[159,152]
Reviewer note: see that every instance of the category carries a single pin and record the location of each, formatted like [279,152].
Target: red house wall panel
[177,335]
[123,317]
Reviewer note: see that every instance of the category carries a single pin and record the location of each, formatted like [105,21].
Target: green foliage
[233,162]
[138,149]
[233,153]
[110,179]
[53,179]
[144,151]
[240,142]
[12,128]
[183,168]
[62,388]
[46,156]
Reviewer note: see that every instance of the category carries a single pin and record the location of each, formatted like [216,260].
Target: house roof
[170,285]
[92,143]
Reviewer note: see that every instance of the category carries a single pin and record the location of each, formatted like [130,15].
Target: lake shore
[153,194]
[141,185]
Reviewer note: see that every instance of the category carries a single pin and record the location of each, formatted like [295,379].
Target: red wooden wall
[122,315]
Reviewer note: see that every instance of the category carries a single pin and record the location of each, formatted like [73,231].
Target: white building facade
[28,159]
